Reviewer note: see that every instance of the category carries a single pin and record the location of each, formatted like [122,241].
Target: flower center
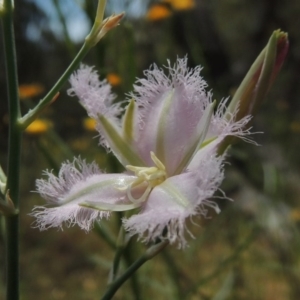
[151,175]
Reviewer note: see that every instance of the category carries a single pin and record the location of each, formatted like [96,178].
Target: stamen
[158,163]
[142,198]
[151,175]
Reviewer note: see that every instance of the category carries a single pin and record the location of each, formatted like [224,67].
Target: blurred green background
[250,250]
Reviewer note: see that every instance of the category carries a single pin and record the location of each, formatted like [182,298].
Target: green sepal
[119,145]
[128,121]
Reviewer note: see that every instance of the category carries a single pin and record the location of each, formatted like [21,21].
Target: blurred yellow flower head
[37,127]
[114,79]
[89,124]
[158,12]
[180,4]
[30,90]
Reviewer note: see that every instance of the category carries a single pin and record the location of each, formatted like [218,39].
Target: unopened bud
[253,89]
[101,27]
[108,24]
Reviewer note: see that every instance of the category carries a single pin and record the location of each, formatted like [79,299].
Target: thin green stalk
[134,282]
[150,253]
[52,94]
[126,252]
[121,244]
[14,150]
[98,31]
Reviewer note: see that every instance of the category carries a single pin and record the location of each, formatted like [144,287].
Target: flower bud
[101,27]
[253,89]
[260,77]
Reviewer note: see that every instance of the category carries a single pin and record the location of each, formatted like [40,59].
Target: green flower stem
[122,242]
[14,150]
[90,41]
[123,248]
[52,94]
[135,287]
[127,252]
[150,253]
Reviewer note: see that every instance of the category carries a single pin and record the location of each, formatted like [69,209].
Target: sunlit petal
[176,199]
[77,183]
[170,108]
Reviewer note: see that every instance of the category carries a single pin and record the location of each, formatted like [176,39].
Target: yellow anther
[151,175]
[157,162]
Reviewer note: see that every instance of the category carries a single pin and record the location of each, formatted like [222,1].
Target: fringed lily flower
[167,139]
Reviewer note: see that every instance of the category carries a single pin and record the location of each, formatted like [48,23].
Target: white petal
[176,199]
[195,140]
[96,97]
[77,183]
[222,126]
[170,108]
[71,215]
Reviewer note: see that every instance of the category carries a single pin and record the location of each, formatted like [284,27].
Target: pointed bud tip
[282,40]
[282,47]
[101,27]
[280,34]
[112,21]
[260,76]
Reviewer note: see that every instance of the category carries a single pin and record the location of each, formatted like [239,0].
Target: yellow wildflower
[89,124]
[158,12]
[114,79]
[37,127]
[180,4]
[30,90]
